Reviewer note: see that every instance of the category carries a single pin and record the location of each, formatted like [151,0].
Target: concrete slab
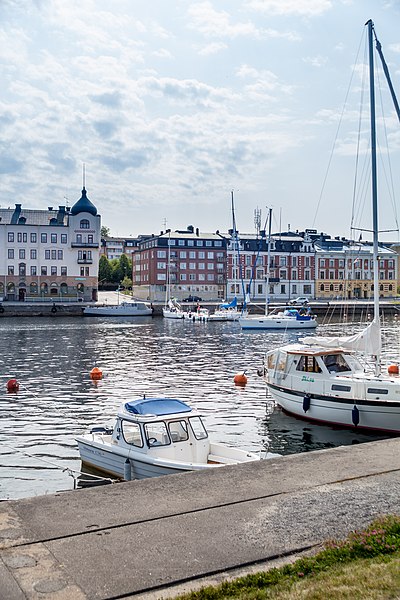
[140,538]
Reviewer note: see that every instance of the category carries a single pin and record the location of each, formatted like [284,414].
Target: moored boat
[124,309]
[153,437]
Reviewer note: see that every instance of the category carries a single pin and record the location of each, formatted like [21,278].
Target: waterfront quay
[343,309]
[159,537]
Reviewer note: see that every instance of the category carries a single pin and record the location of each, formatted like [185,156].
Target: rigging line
[55,465]
[337,133]
[359,136]
[389,181]
[386,72]
[253,270]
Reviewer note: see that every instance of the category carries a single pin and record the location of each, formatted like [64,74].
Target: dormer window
[84,224]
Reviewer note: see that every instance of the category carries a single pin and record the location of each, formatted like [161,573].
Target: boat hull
[276,323]
[116,311]
[168,314]
[345,412]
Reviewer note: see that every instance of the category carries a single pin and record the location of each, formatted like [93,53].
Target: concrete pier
[159,537]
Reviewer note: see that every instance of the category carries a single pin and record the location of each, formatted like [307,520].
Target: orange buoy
[12,385]
[393,369]
[240,378]
[96,373]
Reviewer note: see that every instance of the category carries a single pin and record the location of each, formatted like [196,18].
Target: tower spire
[84,175]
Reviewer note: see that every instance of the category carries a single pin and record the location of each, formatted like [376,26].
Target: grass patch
[366,565]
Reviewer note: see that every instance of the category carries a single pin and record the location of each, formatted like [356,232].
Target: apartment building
[291,268]
[186,262]
[344,269]
[50,254]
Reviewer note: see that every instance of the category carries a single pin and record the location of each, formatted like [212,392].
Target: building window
[33,238]
[217,244]
[210,276]
[202,277]
[53,254]
[10,269]
[161,265]
[53,238]
[199,243]
[64,271]
[182,265]
[60,254]
[11,253]
[43,238]
[82,271]
[63,238]
[182,254]
[283,289]
[201,255]
[84,224]
[161,254]
[10,236]
[192,266]
[22,254]
[33,271]
[22,269]
[181,242]
[190,243]
[43,271]
[182,276]
[210,255]
[192,277]
[53,270]
[86,271]
[47,254]
[192,254]
[202,266]
[34,254]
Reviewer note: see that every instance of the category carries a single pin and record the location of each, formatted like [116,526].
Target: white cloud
[306,8]
[315,61]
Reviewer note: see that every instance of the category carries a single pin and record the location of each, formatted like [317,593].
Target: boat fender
[306,402]
[127,470]
[355,416]
[1,309]
[54,309]
[261,372]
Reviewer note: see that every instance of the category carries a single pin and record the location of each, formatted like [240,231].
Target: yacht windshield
[157,434]
[178,431]
[336,363]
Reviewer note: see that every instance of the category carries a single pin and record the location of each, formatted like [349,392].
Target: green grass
[365,566]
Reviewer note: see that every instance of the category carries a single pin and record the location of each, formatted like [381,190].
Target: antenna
[257,220]
[84,174]
[165,223]
[66,200]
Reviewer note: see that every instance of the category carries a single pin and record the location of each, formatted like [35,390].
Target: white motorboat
[199,314]
[156,436]
[124,309]
[322,379]
[281,318]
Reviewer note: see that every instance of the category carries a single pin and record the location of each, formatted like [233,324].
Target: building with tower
[50,254]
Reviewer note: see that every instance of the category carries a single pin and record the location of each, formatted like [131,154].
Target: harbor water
[195,362]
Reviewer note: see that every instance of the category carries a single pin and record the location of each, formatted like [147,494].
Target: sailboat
[323,379]
[229,311]
[286,317]
[171,308]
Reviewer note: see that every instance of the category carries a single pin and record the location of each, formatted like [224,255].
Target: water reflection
[195,362]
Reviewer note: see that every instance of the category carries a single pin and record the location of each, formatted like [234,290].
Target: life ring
[1,309]
[53,309]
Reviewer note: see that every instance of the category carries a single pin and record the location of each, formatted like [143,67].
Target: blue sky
[172,104]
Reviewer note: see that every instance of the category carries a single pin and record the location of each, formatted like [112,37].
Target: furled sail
[232,304]
[367,341]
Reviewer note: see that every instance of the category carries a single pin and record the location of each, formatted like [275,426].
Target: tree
[104,269]
[105,231]
[125,266]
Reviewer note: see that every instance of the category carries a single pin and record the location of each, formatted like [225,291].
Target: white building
[50,254]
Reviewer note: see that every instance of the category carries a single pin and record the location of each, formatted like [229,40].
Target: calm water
[196,362]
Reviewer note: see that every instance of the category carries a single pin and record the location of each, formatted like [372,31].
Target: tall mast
[268,261]
[374,187]
[234,235]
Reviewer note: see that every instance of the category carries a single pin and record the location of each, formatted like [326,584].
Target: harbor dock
[159,537]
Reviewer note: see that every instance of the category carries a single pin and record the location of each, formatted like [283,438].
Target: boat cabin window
[156,434]
[341,388]
[178,431]
[308,364]
[377,391]
[335,363]
[198,428]
[131,433]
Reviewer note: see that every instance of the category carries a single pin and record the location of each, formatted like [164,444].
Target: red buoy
[240,379]
[12,385]
[393,369]
[96,373]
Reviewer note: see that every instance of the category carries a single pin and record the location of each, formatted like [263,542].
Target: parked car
[300,300]
[192,299]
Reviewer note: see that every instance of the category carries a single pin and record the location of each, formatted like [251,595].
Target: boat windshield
[131,433]
[336,363]
[156,434]
[178,431]
[198,428]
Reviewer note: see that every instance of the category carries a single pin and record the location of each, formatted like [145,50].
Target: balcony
[84,245]
[85,261]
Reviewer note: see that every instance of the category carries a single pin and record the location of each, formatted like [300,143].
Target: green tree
[105,231]
[126,282]
[116,272]
[105,270]
[125,266]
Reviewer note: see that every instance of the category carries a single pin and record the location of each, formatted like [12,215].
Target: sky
[169,106]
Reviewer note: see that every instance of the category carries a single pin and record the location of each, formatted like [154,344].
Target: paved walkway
[158,537]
